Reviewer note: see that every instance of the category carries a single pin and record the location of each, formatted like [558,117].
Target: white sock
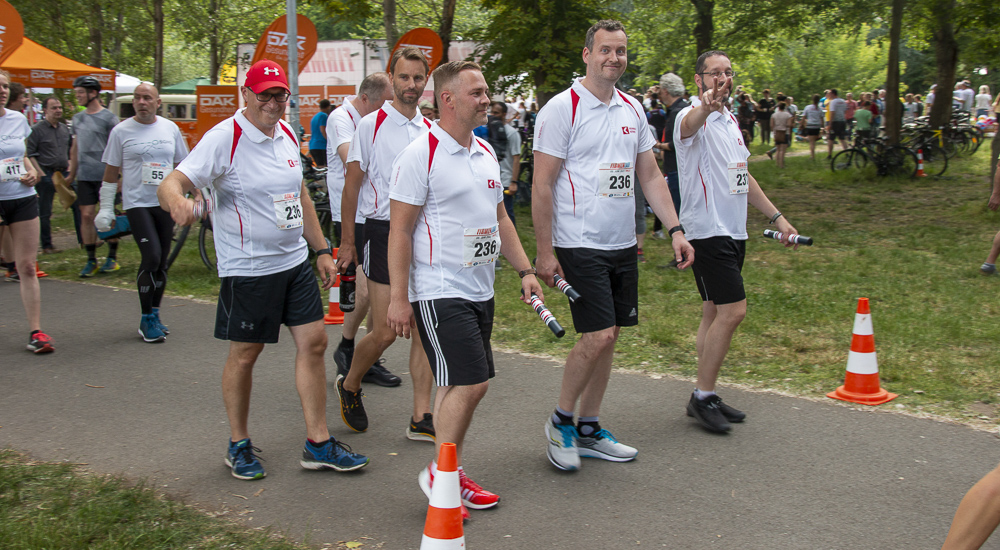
[703,395]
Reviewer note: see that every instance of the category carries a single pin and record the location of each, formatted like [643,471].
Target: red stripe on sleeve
[485,148]
[378,122]
[576,99]
[433,141]
[237,132]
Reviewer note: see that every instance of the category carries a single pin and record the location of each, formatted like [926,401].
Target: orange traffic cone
[920,164]
[861,384]
[39,273]
[443,528]
[334,316]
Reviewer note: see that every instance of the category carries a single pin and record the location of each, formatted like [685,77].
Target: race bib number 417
[11,169]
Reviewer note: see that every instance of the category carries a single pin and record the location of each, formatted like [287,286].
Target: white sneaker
[562,450]
[604,445]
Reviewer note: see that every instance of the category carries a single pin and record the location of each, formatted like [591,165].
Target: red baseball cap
[264,75]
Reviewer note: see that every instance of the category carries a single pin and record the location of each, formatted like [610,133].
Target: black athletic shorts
[718,266]
[19,210]
[608,280]
[812,131]
[252,309]
[456,334]
[838,129]
[359,242]
[88,192]
[376,256]
[319,157]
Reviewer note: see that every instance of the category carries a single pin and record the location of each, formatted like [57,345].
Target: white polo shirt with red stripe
[456,238]
[713,200]
[380,136]
[255,183]
[340,128]
[593,201]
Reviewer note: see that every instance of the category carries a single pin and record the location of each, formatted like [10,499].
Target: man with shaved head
[143,150]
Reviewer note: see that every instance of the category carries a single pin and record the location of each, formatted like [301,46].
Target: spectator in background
[765,108]
[672,96]
[782,131]
[317,126]
[930,98]
[427,109]
[18,98]
[863,119]
[920,104]
[852,106]
[812,123]
[48,148]
[910,110]
[983,100]
[745,116]
[837,121]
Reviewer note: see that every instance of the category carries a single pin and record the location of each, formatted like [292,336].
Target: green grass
[912,247]
[53,506]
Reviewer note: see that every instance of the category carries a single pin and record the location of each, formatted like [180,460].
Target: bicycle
[872,157]
[523,195]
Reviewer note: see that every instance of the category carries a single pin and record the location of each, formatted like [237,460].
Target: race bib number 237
[739,178]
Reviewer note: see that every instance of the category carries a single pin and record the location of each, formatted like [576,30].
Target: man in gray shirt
[48,148]
[91,128]
[510,161]
[836,127]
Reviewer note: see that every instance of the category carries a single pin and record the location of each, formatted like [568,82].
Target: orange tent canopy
[35,65]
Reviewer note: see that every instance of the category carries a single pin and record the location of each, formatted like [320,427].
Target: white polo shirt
[712,172]
[255,182]
[340,128]
[380,136]
[14,130]
[456,239]
[146,153]
[592,200]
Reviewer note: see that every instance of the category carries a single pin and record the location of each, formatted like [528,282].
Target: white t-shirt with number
[14,130]
[380,136]
[593,204]
[146,153]
[340,128]
[255,183]
[714,180]
[456,238]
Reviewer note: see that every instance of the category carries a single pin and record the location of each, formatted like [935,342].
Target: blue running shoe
[243,462]
[150,330]
[156,316]
[332,455]
[89,269]
[110,265]
[562,449]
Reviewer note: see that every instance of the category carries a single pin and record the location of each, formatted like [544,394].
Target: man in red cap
[248,166]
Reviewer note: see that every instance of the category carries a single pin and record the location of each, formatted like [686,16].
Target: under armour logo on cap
[264,75]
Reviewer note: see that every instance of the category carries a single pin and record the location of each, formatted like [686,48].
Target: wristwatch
[675,229]
[327,250]
[529,271]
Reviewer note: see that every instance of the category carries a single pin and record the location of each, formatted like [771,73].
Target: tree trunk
[705,27]
[158,52]
[540,76]
[96,27]
[893,108]
[447,22]
[213,42]
[389,21]
[946,56]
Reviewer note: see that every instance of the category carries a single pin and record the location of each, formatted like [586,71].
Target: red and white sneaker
[426,481]
[40,343]
[474,496]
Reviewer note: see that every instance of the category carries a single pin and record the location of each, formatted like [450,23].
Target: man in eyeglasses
[263,222]
[715,188]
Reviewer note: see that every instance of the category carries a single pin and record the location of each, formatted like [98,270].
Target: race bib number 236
[288,210]
[480,246]
[615,180]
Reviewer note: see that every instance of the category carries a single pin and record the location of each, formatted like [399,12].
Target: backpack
[496,134]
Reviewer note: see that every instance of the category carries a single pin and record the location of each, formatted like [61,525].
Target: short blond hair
[447,73]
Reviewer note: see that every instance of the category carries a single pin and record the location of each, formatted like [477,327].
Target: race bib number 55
[288,210]
[153,173]
[616,179]
[480,246]
[739,178]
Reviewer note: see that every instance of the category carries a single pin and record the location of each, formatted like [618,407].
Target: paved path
[798,474]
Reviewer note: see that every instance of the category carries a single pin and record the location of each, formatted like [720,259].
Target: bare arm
[348,209]
[510,247]
[313,234]
[995,196]
[760,201]
[111,174]
[171,192]
[515,173]
[342,152]
[322,131]
[72,162]
[654,187]
[402,218]
[545,171]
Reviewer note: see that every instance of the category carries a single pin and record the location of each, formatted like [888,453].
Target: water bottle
[347,288]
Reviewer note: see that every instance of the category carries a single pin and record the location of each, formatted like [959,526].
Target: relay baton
[794,239]
[203,208]
[547,317]
[566,288]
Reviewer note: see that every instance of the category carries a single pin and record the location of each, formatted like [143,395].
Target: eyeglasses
[280,97]
[728,74]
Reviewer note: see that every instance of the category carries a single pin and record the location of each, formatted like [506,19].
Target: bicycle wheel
[848,159]
[935,161]
[899,162]
[177,242]
[206,244]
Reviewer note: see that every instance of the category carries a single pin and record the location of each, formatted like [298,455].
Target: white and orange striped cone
[334,315]
[443,528]
[861,385]
[920,164]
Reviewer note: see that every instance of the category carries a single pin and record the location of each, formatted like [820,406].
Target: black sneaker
[731,414]
[352,410]
[708,413]
[423,430]
[378,374]
[343,357]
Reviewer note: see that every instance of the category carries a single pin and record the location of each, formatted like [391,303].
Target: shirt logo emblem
[492,184]
[293,162]
[626,130]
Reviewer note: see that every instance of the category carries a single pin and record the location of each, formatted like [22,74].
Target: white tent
[125,84]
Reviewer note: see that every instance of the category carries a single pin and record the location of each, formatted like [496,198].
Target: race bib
[615,180]
[480,246]
[288,210]
[739,178]
[12,169]
[153,173]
